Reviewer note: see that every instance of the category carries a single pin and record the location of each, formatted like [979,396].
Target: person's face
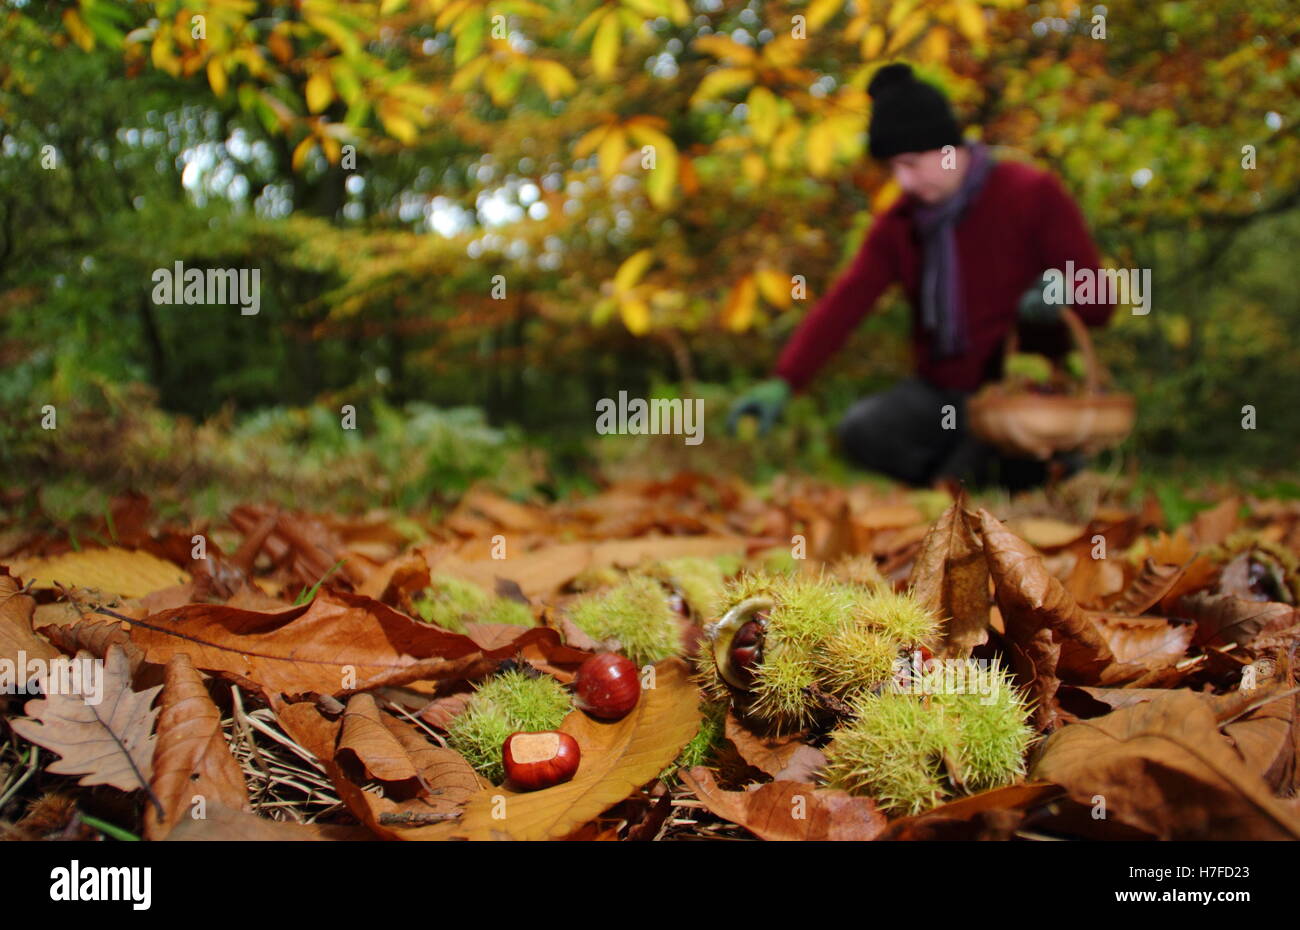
[928,176]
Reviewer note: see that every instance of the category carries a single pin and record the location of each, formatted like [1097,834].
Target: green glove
[1035,310]
[764,400]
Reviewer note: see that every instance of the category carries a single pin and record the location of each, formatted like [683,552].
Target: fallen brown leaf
[1163,766]
[191,760]
[790,810]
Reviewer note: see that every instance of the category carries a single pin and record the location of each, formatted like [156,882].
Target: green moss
[704,743]
[637,614]
[452,602]
[504,704]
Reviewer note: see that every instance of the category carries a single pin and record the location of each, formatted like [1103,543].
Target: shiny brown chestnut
[606,686]
[539,760]
[746,648]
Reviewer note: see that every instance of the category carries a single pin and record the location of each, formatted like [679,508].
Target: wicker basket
[1038,425]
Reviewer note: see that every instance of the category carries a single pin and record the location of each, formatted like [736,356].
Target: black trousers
[917,433]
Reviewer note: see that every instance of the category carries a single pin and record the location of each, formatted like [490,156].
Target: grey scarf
[942,307]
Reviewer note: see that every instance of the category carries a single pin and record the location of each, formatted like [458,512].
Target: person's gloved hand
[764,400]
[1035,310]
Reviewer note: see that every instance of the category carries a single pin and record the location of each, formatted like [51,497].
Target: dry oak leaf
[108,743]
[191,759]
[951,577]
[1163,767]
[616,758]
[790,810]
[126,572]
[338,644]
[16,633]
[1053,640]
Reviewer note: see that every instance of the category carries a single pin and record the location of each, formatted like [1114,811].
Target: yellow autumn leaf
[885,196]
[897,11]
[396,124]
[970,20]
[554,79]
[820,149]
[330,146]
[590,140]
[217,77]
[612,150]
[301,151]
[742,302]
[726,49]
[77,29]
[466,77]
[604,49]
[126,572]
[874,42]
[821,12]
[630,272]
[785,51]
[319,91]
[934,47]
[636,315]
[774,286]
[908,30]
[590,23]
[764,114]
[782,148]
[753,167]
[721,82]
[662,180]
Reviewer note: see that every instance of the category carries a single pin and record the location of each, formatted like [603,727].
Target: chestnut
[539,760]
[606,686]
[747,647]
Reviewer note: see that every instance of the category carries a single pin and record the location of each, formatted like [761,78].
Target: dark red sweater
[1022,223]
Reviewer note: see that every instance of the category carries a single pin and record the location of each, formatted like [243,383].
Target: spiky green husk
[860,570]
[901,617]
[855,658]
[636,613]
[505,704]
[451,603]
[779,560]
[702,582]
[993,734]
[891,751]
[898,746]
[592,579]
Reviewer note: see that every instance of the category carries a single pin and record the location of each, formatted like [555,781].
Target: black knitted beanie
[908,115]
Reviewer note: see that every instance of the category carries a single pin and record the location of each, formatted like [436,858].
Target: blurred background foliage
[473,219]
